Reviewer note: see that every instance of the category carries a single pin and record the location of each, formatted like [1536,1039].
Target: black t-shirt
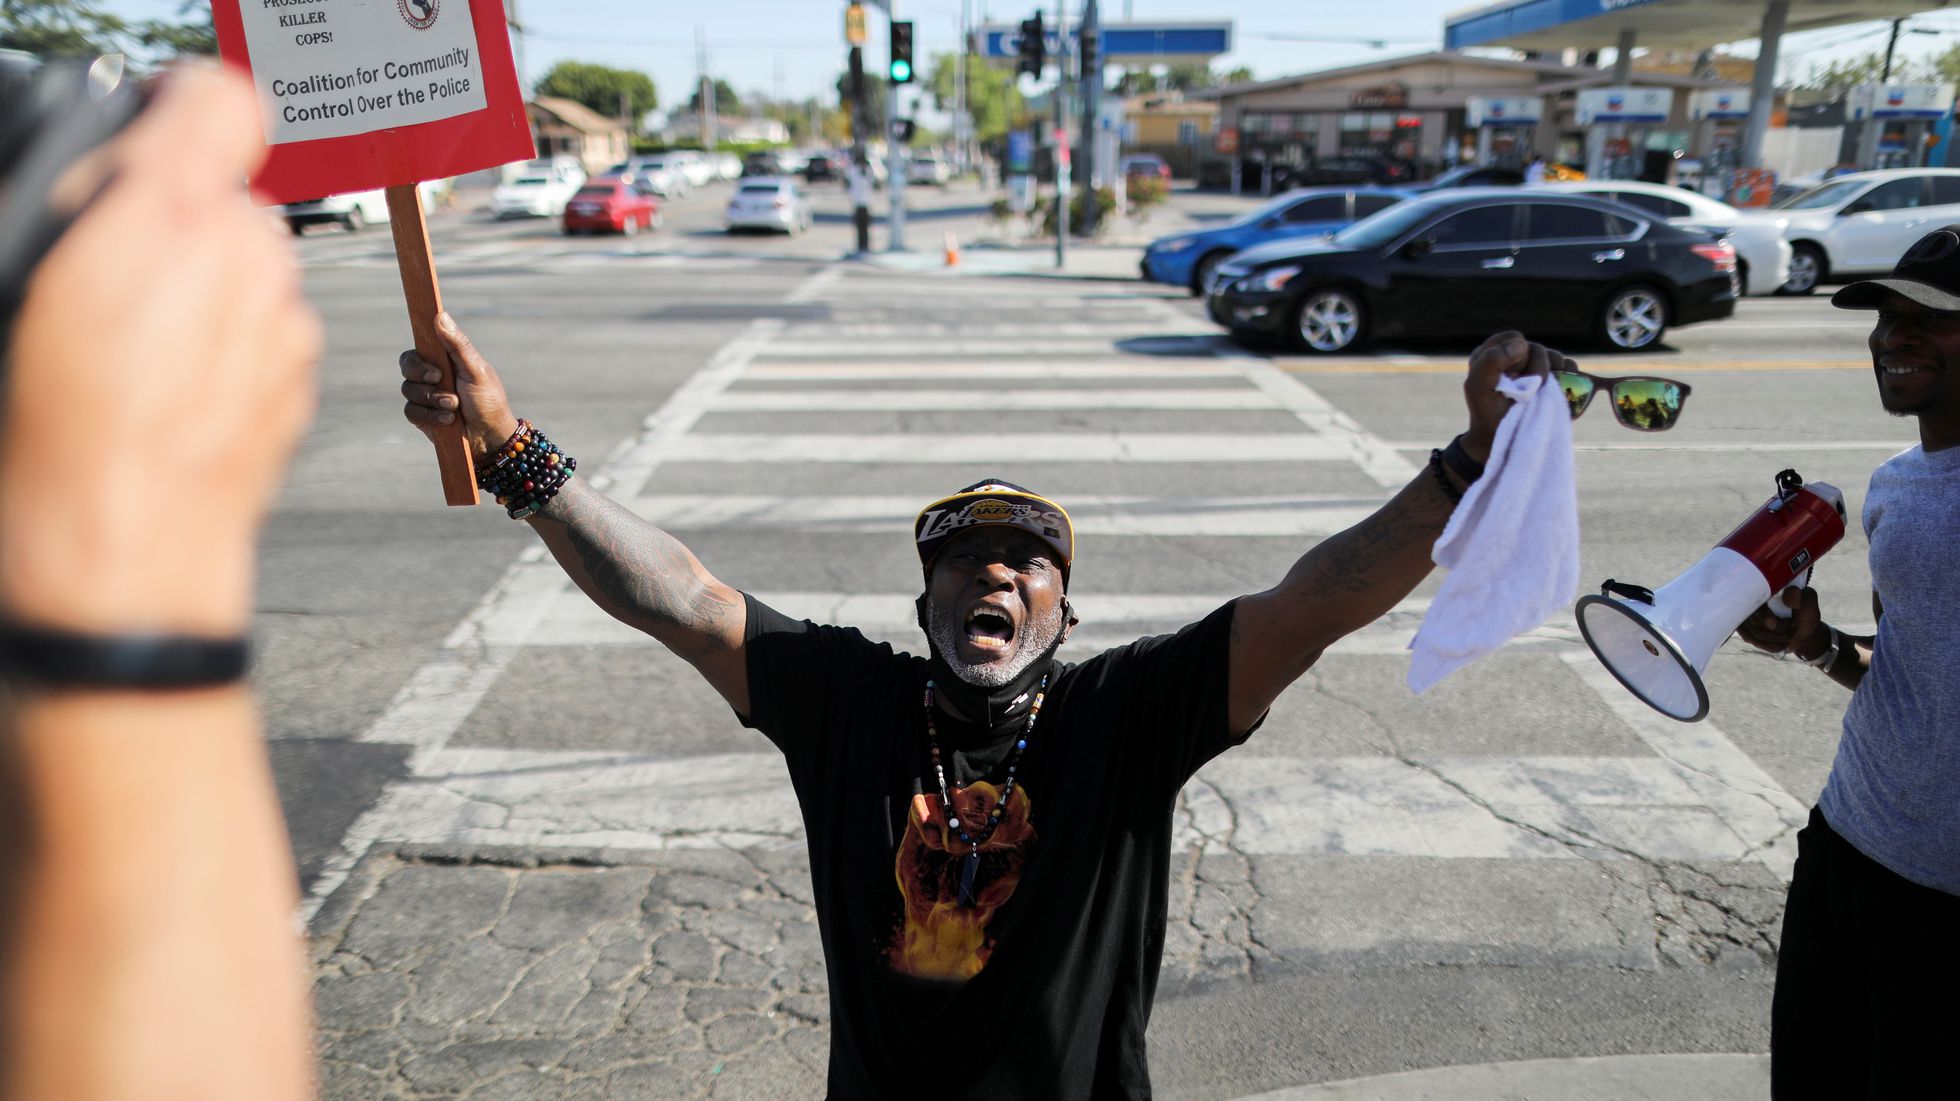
[1042,989]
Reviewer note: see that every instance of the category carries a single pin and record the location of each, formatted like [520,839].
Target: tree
[726,101]
[1841,75]
[874,101]
[599,87]
[78,28]
[995,103]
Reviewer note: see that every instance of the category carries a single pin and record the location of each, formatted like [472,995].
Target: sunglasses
[1642,403]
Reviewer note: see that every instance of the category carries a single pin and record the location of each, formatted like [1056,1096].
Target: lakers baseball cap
[1928,273]
[994,503]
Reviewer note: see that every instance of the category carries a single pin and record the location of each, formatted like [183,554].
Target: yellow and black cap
[994,503]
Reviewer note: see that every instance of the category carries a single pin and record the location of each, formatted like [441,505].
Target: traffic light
[1034,47]
[904,130]
[901,53]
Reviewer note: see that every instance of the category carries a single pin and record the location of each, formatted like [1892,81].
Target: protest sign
[363,94]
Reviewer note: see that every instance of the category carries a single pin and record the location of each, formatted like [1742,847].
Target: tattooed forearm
[1374,552]
[638,573]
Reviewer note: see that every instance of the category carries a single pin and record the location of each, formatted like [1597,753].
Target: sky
[794,48]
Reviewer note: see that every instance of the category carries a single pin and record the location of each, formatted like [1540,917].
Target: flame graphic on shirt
[940,938]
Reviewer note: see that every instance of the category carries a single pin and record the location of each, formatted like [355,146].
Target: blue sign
[1020,153]
[1495,25]
[1121,42]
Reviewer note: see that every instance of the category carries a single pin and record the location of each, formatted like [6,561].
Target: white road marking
[1003,370]
[1160,516]
[1133,447]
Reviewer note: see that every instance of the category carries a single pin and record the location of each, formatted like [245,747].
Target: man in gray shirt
[1869,965]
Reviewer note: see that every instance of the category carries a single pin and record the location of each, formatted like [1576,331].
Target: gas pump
[1895,121]
[1720,115]
[1506,128]
[1617,122]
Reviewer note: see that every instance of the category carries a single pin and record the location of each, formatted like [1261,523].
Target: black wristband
[1461,464]
[48,658]
[1449,488]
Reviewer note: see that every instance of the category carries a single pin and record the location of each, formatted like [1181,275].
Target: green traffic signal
[901,71]
[901,55]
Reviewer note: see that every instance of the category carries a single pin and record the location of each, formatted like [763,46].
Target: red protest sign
[362,94]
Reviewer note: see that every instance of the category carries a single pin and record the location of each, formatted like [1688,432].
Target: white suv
[1861,223]
[356,209]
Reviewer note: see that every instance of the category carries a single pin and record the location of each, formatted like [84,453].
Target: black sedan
[1472,261]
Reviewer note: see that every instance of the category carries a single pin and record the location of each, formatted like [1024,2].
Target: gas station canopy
[1665,24]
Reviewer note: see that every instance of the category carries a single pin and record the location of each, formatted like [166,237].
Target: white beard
[1034,640]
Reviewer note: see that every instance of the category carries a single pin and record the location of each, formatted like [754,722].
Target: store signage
[1515,111]
[1900,101]
[1227,140]
[1384,97]
[1719,103]
[1597,105]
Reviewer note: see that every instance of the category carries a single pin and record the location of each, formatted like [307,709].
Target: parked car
[763,162]
[612,204]
[825,168]
[700,170]
[1762,255]
[356,209]
[1468,261]
[1341,170]
[1473,175]
[728,166]
[928,169]
[1861,223]
[1188,259]
[1146,164]
[541,190]
[768,202]
[661,172]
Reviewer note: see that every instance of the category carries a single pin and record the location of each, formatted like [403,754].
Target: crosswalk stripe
[1028,447]
[1005,370]
[841,401]
[847,333]
[1092,515]
[892,349]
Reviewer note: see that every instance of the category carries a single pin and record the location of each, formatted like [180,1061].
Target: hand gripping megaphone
[1658,642]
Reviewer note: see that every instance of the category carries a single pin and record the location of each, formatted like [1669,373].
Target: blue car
[1187,259]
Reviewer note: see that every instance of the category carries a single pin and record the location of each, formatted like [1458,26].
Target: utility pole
[1090,35]
[1061,156]
[516,26]
[707,93]
[1891,44]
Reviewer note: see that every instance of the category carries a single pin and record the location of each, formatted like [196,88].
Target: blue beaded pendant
[969,867]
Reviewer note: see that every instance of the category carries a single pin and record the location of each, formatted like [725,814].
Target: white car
[768,202]
[928,168]
[538,189]
[1762,254]
[728,166]
[663,175]
[355,209]
[700,171]
[1860,224]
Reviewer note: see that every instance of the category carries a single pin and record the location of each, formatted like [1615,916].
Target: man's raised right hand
[479,394]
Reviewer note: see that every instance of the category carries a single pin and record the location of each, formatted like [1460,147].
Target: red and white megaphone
[1658,642]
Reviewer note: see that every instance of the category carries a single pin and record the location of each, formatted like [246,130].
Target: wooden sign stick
[418,267]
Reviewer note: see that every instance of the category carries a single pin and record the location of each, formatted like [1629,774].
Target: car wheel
[1741,278]
[1807,269]
[1633,319]
[1201,272]
[629,227]
[1328,320]
[298,229]
[355,220]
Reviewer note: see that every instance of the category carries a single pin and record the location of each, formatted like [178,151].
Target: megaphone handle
[1782,610]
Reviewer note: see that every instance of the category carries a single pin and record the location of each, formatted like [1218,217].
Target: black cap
[1928,273]
[994,503]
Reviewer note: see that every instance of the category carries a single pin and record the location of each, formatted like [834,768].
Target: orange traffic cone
[952,250]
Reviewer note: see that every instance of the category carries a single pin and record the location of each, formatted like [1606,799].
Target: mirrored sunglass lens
[1578,389]
[1650,405]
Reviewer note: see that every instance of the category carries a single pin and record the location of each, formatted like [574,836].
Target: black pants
[1867,1000]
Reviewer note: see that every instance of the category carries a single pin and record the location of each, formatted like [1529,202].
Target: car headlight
[1269,280]
[1175,244]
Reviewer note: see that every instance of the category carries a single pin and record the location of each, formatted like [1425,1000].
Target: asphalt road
[1519,865]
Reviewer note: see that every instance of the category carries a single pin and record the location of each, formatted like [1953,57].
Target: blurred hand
[162,372]
[1505,354]
[1803,634]
[479,393]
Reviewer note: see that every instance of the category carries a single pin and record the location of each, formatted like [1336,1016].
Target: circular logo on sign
[420,14]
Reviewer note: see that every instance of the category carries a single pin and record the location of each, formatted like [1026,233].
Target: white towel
[1512,546]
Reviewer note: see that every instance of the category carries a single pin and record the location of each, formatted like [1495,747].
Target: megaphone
[1657,642]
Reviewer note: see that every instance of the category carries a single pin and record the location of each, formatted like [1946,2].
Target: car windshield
[761,189]
[1377,230]
[601,192]
[1831,194]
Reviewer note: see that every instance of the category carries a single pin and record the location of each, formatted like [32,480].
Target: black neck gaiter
[991,712]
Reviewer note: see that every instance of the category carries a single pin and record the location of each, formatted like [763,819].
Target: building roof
[576,115]
[1446,57]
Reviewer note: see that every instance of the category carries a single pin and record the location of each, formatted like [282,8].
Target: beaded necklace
[968,833]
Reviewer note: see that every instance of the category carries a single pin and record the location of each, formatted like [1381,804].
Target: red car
[611,204]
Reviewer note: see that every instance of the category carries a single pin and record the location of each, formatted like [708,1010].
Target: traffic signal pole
[1061,157]
[860,176]
[901,49]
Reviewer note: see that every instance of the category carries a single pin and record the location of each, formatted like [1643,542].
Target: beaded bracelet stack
[526,471]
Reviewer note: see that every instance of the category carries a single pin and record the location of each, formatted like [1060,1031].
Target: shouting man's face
[994,604]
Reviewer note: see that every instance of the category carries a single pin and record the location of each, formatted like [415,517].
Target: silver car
[768,202]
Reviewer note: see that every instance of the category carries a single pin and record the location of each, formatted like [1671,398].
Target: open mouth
[989,629]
